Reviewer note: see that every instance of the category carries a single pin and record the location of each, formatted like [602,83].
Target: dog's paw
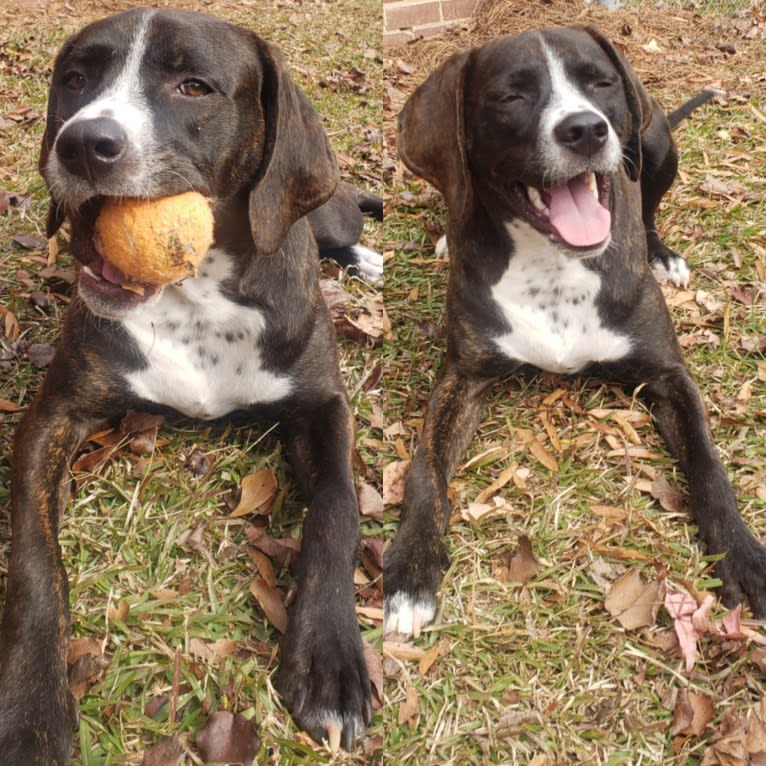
[358,260]
[406,614]
[674,268]
[323,678]
[743,574]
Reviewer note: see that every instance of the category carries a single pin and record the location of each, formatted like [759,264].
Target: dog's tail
[683,111]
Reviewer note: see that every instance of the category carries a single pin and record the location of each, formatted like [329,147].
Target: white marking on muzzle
[566,99]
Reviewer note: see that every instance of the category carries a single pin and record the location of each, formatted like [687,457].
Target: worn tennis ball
[155,241]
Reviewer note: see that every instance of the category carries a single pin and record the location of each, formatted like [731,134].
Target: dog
[552,159]
[152,103]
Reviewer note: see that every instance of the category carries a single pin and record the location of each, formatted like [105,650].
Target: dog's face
[152,103]
[540,123]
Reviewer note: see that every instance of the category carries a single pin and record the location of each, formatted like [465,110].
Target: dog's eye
[603,84]
[194,88]
[510,98]
[74,81]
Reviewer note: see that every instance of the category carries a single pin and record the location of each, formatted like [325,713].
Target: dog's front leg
[413,564]
[37,711]
[682,421]
[323,676]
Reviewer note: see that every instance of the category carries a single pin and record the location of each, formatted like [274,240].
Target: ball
[158,241]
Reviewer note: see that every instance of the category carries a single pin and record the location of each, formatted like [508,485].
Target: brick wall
[407,19]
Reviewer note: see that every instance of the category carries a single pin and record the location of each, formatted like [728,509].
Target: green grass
[120,538]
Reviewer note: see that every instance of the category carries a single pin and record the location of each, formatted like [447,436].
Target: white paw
[406,616]
[677,271]
[369,263]
[441,249]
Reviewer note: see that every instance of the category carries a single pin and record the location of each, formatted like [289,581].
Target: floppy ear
[639,103]
[299,171]
[432,140]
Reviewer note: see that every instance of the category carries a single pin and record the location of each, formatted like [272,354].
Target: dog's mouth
[574,213]
[104,288]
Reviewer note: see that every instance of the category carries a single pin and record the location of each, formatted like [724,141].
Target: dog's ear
[639,103]
[432,139]
[299,171]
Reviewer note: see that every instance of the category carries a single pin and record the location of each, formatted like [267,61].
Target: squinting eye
[604,84]
[194,88]
[511,98]
[74,81]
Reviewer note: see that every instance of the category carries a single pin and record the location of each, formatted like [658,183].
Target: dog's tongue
[580,219]
[112,274]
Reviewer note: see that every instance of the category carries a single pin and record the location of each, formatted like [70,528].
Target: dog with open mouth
[150,104]
[552,159]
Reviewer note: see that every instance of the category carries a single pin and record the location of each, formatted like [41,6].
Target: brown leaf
[283,551]
[633,602]
[258,490]
[86,663]
[523,565]
[370,501]
[9,324]
[30,241]
[229,738]
[438,650]
[372,556]
[374,662]
[199,463]
[41,354]
[262,564]
[166,752]
[542,455]
[692,713]
[409,708]
[8,406]
[270,601]
[668,494]
[394,475]
[119,611]
[138,422]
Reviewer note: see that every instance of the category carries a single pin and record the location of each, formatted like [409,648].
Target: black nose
[584,133]
[90,149]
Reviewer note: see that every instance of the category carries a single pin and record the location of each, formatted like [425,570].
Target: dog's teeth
[89,272]
[592,184]
[536,199]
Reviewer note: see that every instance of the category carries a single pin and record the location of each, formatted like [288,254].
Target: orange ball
[157,241]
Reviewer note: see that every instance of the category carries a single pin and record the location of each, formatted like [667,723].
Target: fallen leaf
[8,406]
[9,324]
[374,662]
[633,602]
[41,354]
[370,501]
[166,752]
[270,601]
[394,475]
[681,607]
[86,662]
[229,738]
[409,708]
[438,650]
[668,494]
[692,713]
[257,491]
[119,611]
[523,565]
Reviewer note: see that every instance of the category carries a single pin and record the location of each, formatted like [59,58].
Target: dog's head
[151,103]
[538,124]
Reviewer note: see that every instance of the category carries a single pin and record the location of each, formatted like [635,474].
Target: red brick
[457,9]
[403,16]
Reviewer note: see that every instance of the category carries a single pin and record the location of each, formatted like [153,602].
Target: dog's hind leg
[413,564]
[323,676]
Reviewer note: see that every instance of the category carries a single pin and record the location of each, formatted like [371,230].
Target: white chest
[549,301]
[203,351]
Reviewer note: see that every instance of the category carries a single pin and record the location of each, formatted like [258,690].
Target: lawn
[539,672]
[160,572]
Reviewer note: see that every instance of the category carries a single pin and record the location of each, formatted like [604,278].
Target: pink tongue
[578,216]
[112,274]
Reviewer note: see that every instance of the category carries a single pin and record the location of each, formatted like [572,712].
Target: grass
[541,673]
[121,539]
